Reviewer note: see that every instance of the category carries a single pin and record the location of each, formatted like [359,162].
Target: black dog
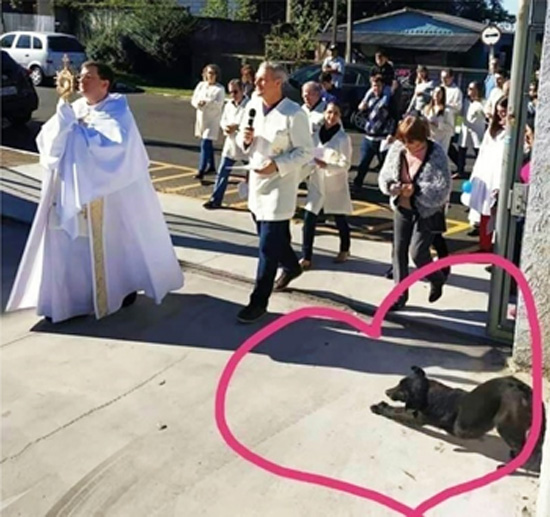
[504,403]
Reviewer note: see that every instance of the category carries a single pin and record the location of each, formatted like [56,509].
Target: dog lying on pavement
[504,403]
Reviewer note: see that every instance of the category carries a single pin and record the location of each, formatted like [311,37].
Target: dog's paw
[378,409]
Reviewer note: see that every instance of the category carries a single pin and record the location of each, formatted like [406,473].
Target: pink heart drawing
[374,330]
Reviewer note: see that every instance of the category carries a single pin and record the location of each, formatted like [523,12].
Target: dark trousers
[369,149]
[310,221]
[461,159]
[206,158]
[410,236]
[275,249]
[221,180]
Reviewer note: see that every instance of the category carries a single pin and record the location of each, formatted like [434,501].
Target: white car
[42,52]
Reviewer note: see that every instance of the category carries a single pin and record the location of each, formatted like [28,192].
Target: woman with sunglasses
[208,99]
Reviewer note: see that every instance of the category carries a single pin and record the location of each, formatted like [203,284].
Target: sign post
[490,36]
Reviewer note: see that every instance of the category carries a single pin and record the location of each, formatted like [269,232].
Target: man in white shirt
[335,66]
[313,105]
[278,144]
[232,116]
[99,234]
[453,93]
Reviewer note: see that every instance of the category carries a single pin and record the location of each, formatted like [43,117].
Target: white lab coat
[453,97]
[99,232]
[281,135]
[328,187]
[233,114]
[442,127]
[486,174]
[208,117]
[473,125]
[316,118]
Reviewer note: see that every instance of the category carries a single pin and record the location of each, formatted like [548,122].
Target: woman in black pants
[328,187]
[417,178]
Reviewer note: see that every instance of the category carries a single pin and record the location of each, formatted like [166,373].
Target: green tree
[296,42]
[245,10]
[216,9]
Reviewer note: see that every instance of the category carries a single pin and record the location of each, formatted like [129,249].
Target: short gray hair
[316,87]
[278,70]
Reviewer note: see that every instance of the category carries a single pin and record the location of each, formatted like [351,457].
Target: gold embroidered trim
[95,210]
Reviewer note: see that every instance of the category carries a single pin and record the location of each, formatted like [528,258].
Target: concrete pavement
[116,418]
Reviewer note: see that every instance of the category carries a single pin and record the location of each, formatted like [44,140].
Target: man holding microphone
[275,135]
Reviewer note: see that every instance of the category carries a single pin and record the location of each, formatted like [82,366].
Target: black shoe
[250,314]
[489,269]
[285,279]
[436,291]
[399,304]
[129,299]
[446,272]
[474,232]
[199,176]
[209,205]
[389,273]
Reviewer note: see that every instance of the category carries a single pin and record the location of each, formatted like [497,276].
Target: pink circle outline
[374,330]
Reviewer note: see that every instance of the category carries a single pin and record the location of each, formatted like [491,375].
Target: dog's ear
[418,371]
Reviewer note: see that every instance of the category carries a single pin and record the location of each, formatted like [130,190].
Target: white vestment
[99,233]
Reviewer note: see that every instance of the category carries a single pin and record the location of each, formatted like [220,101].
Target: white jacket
[453,96]
[328,187]
[281,135]
[473,125]
[233,114]
[316,116]
[207,122]
[442,127]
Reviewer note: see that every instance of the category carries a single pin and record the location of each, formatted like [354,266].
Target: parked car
[19,97]
[42,52]
[355,85]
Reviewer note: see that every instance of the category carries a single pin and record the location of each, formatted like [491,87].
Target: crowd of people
[86,255]
[414,146]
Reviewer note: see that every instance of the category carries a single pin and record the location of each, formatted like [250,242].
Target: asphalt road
[167,125]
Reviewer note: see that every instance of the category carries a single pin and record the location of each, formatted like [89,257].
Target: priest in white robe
[99,235]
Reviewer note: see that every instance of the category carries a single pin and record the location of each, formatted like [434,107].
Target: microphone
[251,115]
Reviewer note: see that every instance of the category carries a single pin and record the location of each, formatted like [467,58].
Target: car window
[36,43]
[351,77]
[64,44]
[307,74]
[24,41]
[7,41]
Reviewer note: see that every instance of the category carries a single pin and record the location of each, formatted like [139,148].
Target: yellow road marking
[174,166]
[158,168]
[378,227]
[458,226]
[173,176]
[366,210]
[228,191]
[184,188]
[240,204]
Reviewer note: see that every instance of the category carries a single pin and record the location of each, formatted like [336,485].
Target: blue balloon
[467,187]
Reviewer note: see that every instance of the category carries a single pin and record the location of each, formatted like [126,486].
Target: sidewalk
[224,242]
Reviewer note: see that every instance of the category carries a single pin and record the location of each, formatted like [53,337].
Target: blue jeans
[206,159]
[369,149]
[275,248]
[310,221]
[221,180]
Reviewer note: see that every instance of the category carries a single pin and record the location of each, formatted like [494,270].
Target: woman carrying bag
[328,186]
[416,176]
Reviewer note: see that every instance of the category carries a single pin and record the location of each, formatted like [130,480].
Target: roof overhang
[434,43]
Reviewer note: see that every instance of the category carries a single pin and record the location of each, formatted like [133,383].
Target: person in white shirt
[335,66]
[453,93]
[332,162]
[473,127]
[440,118]
[208,99]
[99,234]
[278,145]
[232,116]
[422,90]
[313,105]
[496,94]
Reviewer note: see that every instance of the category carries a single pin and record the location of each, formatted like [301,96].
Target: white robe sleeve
[301,151]
[197,96]
[343,163]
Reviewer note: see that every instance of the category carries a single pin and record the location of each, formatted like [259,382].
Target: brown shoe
[305,264]
[341,257]
[285,279]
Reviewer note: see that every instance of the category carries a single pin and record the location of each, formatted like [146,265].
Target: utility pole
[289,11]
[349,31]
[334,21]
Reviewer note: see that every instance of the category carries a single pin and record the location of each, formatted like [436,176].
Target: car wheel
[37,76]
[358,120]
[20,120]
